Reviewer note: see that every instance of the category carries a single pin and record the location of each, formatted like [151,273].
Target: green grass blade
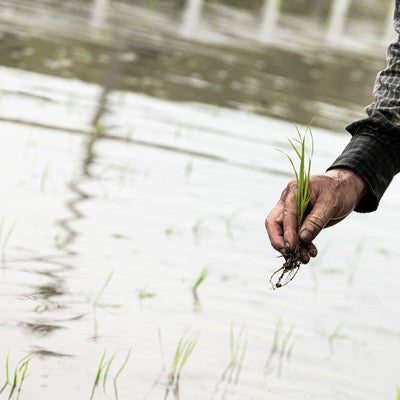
[122,367]
[202,276]
[295,148]
[107,370]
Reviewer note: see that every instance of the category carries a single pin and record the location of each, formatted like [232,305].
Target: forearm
[374,150]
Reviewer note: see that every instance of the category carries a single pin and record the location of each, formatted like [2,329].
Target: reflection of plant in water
[94,136]
[281,346]
[302,174]
[19,375]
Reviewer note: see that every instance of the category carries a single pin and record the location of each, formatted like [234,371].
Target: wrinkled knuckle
[292,185]
[316,224]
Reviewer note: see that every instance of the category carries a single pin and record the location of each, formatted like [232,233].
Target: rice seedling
[99,372]
[145,294]
[19,375]
[200,279]
[238,347]
[160,374]
[189,168]
[354,263]
[398,393]
[5,236]
[288,271]
[40,308]
[96,303]
[45,176]
[281,347]
[119,372]
[285,350]
[184,350]
[171,231]
[197,228]
[229,222]
[336,335]
[102,289]
[103,371]
[275,343]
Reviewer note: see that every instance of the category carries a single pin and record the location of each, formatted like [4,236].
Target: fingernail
[282,251]
[287,244]
[313,252]
[306,236]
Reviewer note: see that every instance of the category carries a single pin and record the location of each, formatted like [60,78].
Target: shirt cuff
[368,155]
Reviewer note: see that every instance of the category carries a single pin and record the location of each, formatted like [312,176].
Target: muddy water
[113,202]
[167,190]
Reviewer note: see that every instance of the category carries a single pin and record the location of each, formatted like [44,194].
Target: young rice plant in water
[302,170]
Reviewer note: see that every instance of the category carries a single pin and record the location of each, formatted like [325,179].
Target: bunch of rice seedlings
[231,374]
[302,172]
[183,351]
[282,347]
[18,376]
[103,370]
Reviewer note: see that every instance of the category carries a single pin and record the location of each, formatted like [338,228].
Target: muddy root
[286,273]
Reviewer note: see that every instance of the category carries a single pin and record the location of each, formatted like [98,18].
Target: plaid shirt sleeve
[374,149]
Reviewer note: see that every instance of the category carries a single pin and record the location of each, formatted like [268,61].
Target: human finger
[315,221]
[311,248]
[304,255]
[290,233]
[274,226]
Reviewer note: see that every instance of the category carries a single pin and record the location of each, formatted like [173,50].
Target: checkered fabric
[374,149]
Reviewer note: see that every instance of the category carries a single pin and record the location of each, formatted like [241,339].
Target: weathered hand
[333,196]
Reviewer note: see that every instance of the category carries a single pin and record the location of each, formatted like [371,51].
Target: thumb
[314,222]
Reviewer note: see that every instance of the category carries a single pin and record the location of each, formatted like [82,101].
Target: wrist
[349,180]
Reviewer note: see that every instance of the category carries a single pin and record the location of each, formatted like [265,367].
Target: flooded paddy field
[169,190]
[116,201]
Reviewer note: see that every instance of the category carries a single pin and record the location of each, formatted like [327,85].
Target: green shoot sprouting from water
[18,376]
[183,351]
[200,279]
[103,370]
[302,172]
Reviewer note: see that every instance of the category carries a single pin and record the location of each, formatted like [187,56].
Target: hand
[333,196]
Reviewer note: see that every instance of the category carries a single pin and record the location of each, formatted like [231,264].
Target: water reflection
[319,83]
